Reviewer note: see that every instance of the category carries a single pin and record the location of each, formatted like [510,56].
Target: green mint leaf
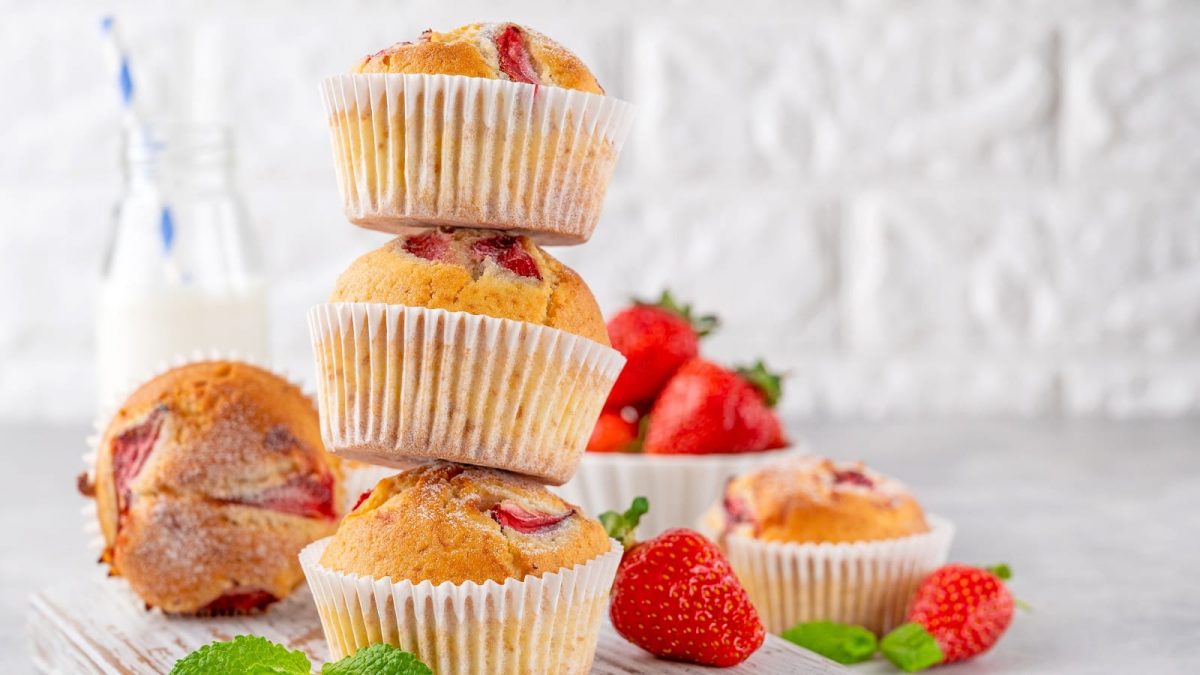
[911,648]
[378,660]
[621,526]
[247,654]
[840,642]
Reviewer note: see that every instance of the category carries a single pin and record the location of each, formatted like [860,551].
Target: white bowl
[680,487]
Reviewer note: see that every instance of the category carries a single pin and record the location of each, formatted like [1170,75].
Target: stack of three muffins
[463,342]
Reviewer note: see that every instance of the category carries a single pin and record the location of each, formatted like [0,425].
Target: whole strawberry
[676,596]
[656,339]
[707,408]
[613,433]
[958,612]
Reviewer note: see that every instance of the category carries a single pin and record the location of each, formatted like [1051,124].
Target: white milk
[140,328]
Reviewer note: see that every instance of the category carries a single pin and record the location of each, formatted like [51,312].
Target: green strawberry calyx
[621,526]
[841,642]
[911,648]
[769,383]
[702,325]
[1003,572]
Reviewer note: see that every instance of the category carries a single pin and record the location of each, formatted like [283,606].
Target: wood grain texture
[99,626]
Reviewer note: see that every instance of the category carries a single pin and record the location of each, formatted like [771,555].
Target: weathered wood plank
[98,626]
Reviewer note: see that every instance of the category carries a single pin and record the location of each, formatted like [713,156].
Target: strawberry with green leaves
[707,408]
[656,338]
[958,612]
[676,596]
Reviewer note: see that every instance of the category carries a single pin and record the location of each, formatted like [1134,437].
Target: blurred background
[921,208]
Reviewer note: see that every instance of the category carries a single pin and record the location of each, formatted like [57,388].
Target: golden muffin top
[448,522]
[496,51]
[475,271]
[814,499]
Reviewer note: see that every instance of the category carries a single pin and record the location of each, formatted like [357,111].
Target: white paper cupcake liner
[444,150]
[547,624]
[108,409]
[679,487]
[863,583]
[397,383]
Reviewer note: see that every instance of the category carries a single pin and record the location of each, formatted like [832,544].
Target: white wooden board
[99,626]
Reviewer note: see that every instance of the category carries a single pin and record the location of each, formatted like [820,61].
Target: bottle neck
[190,159]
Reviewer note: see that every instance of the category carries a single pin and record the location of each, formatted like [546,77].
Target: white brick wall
[930,207]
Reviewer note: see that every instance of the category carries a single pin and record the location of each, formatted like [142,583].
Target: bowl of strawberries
[676,425]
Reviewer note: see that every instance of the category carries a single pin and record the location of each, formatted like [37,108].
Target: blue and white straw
[135,122]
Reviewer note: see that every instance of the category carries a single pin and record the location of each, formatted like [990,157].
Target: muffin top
[222,431]
[475,271]
[447,522]
[813,499]
[496,51]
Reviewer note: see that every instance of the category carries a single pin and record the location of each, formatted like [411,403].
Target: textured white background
[921,207]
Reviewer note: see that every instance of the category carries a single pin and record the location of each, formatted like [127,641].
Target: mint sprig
[378,660]
[253,655]
[840,642]
[911,648]
[248,654]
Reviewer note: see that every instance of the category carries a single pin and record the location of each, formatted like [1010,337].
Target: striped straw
[135,122]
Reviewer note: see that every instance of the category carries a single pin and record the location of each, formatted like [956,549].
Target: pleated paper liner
[679,487]
[445,150]
[397,384]
[108,409]
[546,625]
[866,583]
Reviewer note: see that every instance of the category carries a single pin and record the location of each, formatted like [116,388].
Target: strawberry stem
[621,526]
[770,384]
[702,324]
[1001,570]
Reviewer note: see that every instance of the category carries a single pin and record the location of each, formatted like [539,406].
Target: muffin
[208,481]
[473,570]
[469,346]
[475,271]
[816,540]
[489,125]
[813,499]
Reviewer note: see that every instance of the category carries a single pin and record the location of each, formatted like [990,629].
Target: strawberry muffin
[471,569]
[818,540]
[488,125]
[208,481]
[470,346]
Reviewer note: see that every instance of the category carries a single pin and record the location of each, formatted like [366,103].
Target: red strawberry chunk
[430,246]
[676,596]
[508,253]
[514,57]
[853,477]
[514,516]
[362,498]
[239,602]
[308,495]
[130,450]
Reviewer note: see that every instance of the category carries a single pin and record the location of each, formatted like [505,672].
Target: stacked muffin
[463,348]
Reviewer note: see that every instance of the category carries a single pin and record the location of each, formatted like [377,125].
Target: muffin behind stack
[463,341]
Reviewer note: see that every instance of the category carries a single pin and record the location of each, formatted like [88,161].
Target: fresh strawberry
[614,432]
[706,409]
[676,596]
[958,612]
[656,339]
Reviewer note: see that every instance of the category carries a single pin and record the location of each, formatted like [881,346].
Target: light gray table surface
[1100,522]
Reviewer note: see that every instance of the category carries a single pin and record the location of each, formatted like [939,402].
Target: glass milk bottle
[183,272]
